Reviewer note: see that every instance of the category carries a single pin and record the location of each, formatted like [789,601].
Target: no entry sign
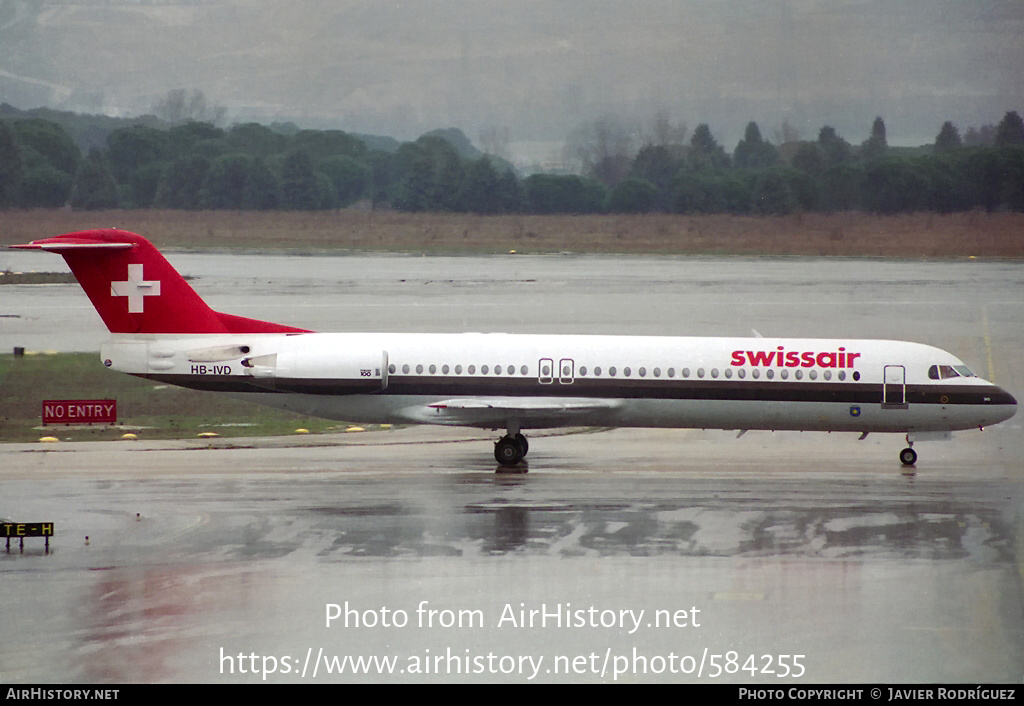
[79,412]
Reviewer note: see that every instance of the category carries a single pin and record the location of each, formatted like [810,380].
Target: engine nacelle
[320,371]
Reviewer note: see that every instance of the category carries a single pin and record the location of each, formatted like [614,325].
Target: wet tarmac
[200,552]
[623,555]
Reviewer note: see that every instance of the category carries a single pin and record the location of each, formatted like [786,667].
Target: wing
[533,412]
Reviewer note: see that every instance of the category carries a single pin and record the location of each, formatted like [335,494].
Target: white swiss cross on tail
[135,288]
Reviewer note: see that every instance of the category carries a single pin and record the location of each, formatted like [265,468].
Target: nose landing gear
[908,457]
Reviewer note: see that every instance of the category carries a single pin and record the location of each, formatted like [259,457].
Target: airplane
[163,331]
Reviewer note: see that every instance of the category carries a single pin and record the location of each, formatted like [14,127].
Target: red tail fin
[135,290]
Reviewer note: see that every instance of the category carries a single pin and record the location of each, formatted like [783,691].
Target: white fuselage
[538,381]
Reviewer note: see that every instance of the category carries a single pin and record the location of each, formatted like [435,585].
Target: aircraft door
[894,386]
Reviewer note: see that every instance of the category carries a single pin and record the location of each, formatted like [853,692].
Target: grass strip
[150,410]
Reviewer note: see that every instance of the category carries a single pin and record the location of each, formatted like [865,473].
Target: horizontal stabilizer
[57,245]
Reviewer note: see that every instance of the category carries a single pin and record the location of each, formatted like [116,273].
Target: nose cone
[1005,403]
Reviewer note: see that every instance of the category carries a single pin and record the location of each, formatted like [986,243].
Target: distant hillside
[88,131]
[91,131]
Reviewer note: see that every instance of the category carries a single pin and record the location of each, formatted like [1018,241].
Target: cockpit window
[942,372]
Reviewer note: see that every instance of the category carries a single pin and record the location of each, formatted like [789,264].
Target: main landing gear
[510,449]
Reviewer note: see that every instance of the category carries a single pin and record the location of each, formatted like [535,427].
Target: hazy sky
[535,67]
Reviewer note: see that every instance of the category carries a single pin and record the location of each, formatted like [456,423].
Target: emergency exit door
[547,372]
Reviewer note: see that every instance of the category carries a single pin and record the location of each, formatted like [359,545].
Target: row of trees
[828,174]
[196,165]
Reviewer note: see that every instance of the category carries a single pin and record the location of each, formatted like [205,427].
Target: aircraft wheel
[508,451]
[908,457]
[523,444]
